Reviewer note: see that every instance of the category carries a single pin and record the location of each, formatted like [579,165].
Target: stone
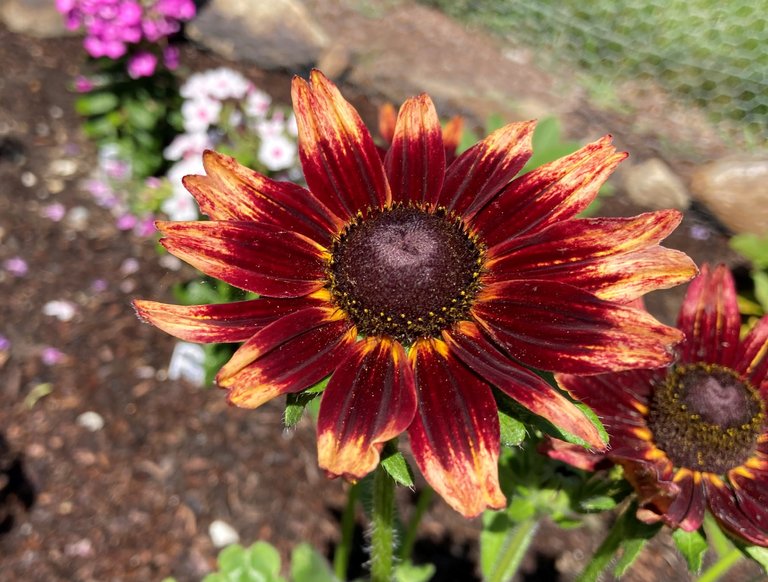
[279,34]
[222,534]
[653,185]
[34,17]
[735,190]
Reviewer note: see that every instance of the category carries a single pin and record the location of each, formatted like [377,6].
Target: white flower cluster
[219,106]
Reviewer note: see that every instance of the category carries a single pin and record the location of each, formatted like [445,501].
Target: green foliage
[755,249]
[394,463]
[139,116]
[692,545]
[258,563]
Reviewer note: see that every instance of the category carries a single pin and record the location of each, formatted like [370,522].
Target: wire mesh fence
[708,54]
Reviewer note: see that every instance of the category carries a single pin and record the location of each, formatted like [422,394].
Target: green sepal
[395,464]
[692,545]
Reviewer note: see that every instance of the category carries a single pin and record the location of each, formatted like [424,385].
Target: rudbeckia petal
[370,399]
[289,355]
[467,342]
[710,318]
[218,322]
[557,327]
[687,509]
[264,259]
[415,162]
[478,174]
[455,433]
[554,192]
[387,122]
[723,505]
[231,191]
[617,259]
[623,395]
[753,506]
[341,164]
[752,357]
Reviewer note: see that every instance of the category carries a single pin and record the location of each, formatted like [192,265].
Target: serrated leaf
[295,405]
[630,551]
[395,464]
[307,565]
[692,545]
[512,430]
[408,572]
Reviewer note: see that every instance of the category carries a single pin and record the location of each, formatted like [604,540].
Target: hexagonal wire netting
[703,52]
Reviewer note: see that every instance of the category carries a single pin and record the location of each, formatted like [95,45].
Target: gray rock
[652,184]
[735,189]
[279,34]
[34,17]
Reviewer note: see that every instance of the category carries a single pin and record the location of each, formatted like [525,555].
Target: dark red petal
[478,174]
[523,386]
[710,318]
[415,162]
[370,399]
[752,357]
[752,501]
[624,395]
[220,322]
[687,509]
[722,504]
[230,191]
[554,192]
[455,433]
[574,455]
[340,161]
[264,259]
[289,355]
[557,327]
[617,259]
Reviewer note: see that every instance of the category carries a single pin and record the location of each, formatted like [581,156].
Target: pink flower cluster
[115,28]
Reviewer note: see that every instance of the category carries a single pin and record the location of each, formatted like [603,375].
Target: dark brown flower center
[706,418]
[405,272]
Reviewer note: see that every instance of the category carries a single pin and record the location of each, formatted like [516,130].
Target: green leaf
[597,503]
[753,247]
[259,563]
[758,554]
[630,551]
[692,545]
[395,464]
[307,565]
[408,572]
[512,430]
[96,103]
[760,279]
[297,403]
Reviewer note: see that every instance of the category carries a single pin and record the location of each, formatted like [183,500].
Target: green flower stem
[343,550]
[515,547]
[382,526]
[409,539]
[725,563]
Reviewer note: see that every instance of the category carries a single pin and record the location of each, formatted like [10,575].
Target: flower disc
[706,418]
[405,272]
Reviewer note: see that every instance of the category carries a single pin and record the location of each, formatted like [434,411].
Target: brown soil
[133,501]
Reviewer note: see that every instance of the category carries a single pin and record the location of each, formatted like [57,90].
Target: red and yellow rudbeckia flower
[693,436]
[418,285]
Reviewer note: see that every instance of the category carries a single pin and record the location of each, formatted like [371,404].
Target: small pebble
[222,534]
[90,420]
[28,179]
